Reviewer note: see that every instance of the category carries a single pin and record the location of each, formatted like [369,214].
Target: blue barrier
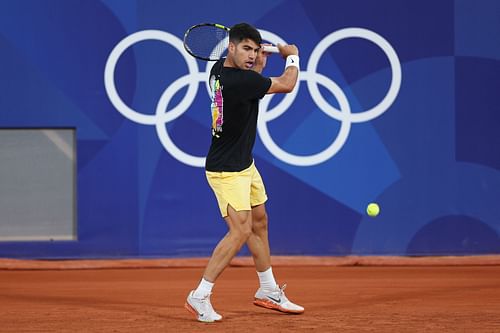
[397,104]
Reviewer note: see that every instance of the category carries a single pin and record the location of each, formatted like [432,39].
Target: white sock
[204,289]
[266,279]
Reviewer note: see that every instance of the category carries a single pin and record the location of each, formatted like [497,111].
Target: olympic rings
[312,78]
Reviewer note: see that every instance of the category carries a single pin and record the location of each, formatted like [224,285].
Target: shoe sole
[273,306]
[188,307]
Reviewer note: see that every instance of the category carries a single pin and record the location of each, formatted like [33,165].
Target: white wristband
[292,60]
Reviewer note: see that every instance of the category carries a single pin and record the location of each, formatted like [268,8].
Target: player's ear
[231,47]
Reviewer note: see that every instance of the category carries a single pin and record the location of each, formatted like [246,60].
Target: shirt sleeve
[254,85]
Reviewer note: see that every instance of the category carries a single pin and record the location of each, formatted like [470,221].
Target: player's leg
[269,294]
[240,228]
[232,191]
[198,300]
[258,242]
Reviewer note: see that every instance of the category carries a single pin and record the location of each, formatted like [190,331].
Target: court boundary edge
[114,263]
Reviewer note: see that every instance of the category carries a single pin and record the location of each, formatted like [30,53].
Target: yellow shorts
[242,190]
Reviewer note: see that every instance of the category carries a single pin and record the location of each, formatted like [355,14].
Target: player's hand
[261,50]
[261,59]
[286,50]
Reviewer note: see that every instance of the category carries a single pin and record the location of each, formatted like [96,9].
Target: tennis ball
[372,209]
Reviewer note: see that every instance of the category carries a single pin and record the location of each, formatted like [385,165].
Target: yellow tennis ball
[373,209]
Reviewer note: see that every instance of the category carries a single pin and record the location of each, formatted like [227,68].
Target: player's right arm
[286,82]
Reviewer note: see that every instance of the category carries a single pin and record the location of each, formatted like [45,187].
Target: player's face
[244,53]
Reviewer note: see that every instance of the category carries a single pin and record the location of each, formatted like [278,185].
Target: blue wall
[398,104]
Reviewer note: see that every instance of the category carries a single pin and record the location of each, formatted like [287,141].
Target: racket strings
[207,42]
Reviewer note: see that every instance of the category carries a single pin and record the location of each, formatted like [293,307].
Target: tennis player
[237,85]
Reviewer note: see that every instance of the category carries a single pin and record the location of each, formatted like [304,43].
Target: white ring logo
[194,77]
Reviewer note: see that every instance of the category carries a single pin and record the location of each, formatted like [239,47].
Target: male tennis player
[237,85]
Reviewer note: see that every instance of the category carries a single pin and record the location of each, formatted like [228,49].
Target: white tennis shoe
[201,308]
[276,300]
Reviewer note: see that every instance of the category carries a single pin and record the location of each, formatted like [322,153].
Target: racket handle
[270,49]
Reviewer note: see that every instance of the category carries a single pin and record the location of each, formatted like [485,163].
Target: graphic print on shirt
[217,106]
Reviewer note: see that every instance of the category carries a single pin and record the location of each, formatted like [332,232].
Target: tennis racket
[209,41]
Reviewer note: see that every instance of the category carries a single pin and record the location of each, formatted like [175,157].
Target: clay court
[340,295]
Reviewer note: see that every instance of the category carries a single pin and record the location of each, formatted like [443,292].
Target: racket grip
[270,49]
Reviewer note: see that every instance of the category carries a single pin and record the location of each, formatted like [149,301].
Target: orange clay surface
[337,299]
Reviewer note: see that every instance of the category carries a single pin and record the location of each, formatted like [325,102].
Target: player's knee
[247,228]
[259,223]
[243,232]
[241,227]
[247,232]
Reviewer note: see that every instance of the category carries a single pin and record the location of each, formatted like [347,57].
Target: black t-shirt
[235,106]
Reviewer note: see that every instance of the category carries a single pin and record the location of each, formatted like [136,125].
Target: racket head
[207,41]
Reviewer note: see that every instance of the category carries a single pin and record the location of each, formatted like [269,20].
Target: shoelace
[282,293]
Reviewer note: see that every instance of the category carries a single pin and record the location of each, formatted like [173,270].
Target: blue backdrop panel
[397,104]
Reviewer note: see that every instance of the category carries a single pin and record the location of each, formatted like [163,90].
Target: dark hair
[242,31]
